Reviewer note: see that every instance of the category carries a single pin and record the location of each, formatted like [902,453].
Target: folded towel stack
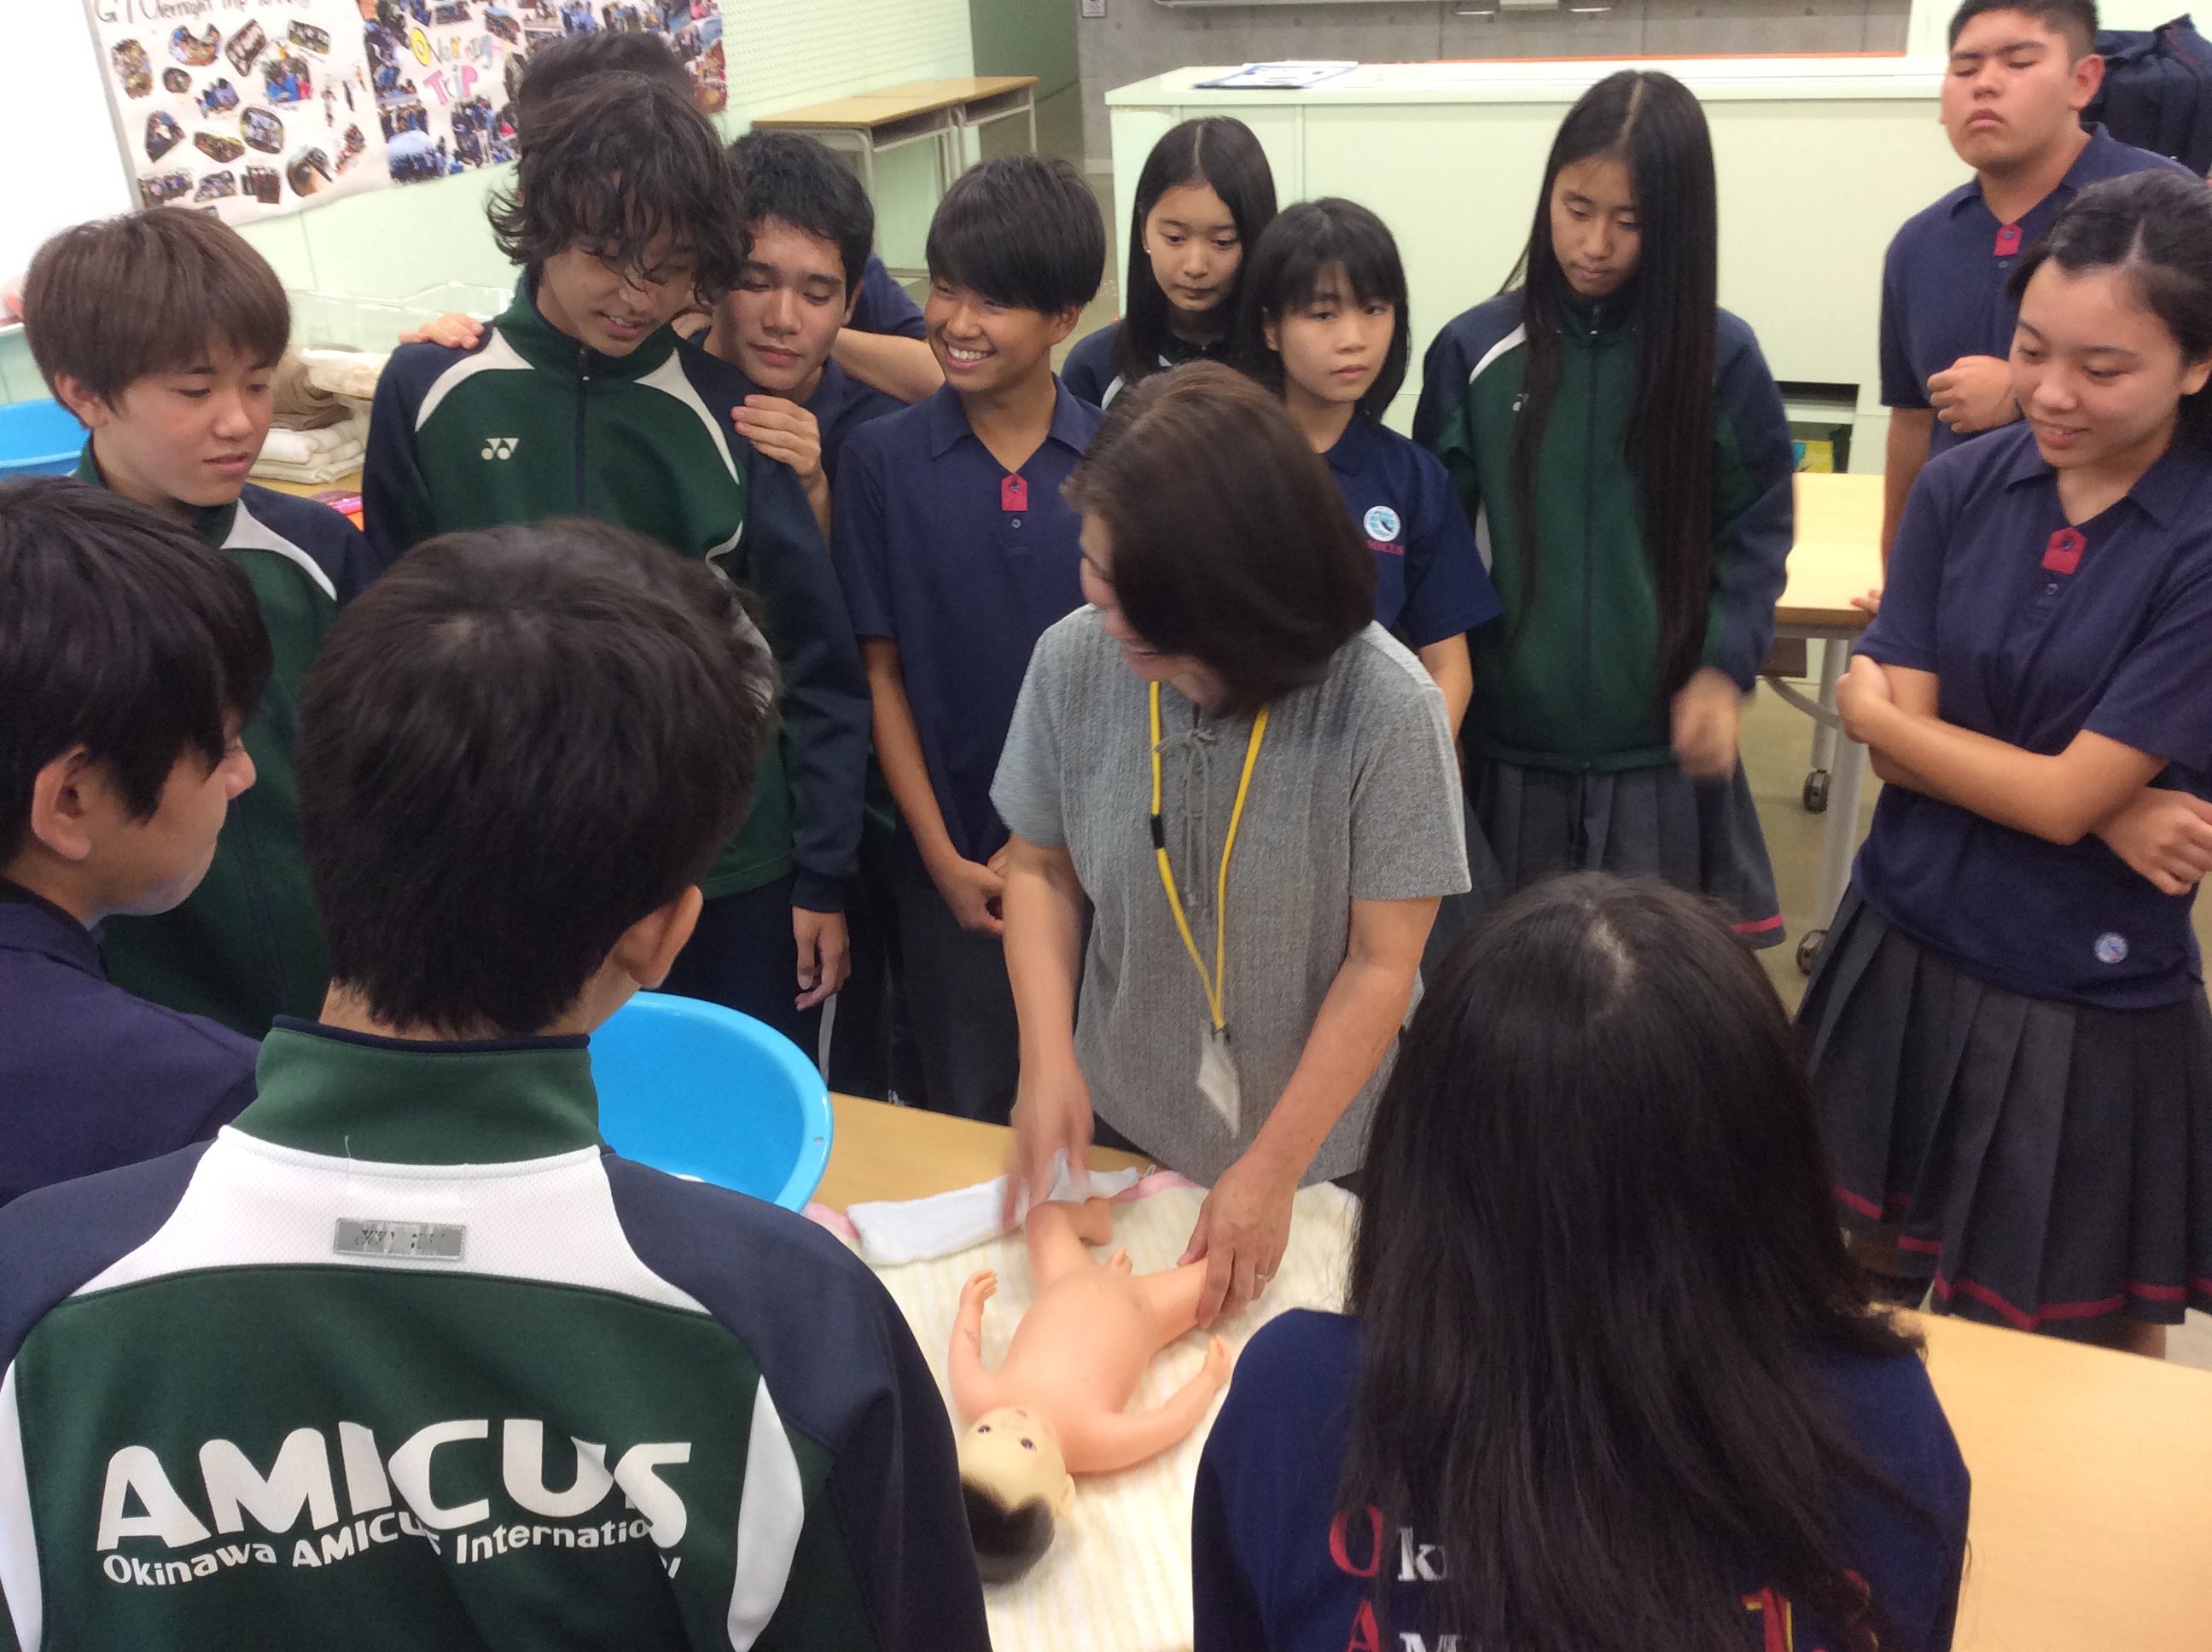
[307,456]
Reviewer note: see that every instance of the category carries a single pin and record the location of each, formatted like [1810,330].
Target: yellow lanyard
[1217,984]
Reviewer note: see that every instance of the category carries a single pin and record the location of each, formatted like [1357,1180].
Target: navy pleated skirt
[2047,1165]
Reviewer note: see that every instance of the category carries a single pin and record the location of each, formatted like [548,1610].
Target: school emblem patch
[1382,524]
[2112,947]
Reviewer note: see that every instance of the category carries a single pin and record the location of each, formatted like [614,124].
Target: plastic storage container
[39,438]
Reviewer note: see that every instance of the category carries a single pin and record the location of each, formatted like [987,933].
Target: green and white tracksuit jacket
[408,1359]
[531,424]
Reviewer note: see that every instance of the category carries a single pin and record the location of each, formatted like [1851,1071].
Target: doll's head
[1015,1484]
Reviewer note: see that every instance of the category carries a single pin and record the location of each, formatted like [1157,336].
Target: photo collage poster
[444,70]
[240,108]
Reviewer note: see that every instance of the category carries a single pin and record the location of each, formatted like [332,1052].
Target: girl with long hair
[2009,1020]
[1204,196]
[1609,1380]
[1623,452]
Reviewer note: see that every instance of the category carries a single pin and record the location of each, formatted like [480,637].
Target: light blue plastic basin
[39,438]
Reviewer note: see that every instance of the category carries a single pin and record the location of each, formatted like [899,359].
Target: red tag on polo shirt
[2008,240]
[1014,494]
[2063,554]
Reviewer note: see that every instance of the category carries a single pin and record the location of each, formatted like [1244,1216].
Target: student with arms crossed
[1204,196]
[2008,1024]
[531,1393]
[1619,443]
[131,656]
[957,551]
[161,330]
[581,400]
[2021,73]
[1608,1381]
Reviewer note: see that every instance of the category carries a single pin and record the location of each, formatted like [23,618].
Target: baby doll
[1054,1405]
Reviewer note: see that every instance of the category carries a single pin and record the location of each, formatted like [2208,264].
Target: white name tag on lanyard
[1217,1078]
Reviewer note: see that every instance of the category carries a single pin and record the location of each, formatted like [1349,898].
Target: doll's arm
[974,1390]
[1123,1439]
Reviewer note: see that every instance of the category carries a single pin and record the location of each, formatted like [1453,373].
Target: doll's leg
[1056,1232]
[1103,1444]
[974,1390]
[1170,1299]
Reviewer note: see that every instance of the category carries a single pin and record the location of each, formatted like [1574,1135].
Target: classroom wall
[1026,37]
[1140,38]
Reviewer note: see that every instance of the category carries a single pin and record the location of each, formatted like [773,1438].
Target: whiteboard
[67,164]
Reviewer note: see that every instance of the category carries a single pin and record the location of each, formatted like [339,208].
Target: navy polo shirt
[883,306]
[1430,580]
[1089,369]
[90,1077]
[963,566]
[841,405]
[1943,279]
[1273,1563]
[2039,632]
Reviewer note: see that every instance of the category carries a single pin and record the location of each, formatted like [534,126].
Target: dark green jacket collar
[350,1096]
[211,522]
[549,349]
[1597,321]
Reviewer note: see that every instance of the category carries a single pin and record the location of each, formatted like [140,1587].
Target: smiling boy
[957,551]
[161,331]
[581,400]
[2021,72]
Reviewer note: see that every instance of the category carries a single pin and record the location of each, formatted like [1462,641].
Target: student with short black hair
[2021,72]
[956,551]
[581,400]
[161,331]
[1250,786]
[1204,196]
[2007,1018]
[708,1424]
[1607,1380]
[131,655]
[1621,445]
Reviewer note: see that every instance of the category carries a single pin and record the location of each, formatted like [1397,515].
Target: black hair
[1229,540]
[798,179]
[559,64]
[1651,122]
[121,631]
[2157,227]
[513,746]
[2076,19]
[1021,230]
[1007,1542]
[613,163]
[1598,1275]
[1283,275]
[1220,152]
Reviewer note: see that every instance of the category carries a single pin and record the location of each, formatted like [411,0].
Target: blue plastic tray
[39,438]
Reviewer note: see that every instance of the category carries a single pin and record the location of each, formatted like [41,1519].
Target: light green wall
[1026,37]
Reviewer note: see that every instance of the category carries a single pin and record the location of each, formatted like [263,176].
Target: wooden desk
[2092,1522]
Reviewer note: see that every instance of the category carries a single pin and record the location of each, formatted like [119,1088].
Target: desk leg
[1817,781]
[1839,832]
[1029,106]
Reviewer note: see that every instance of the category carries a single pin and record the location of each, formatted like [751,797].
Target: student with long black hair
[1323,322]
[1203,197]
[1608,1381]
[2009,1018]
[1622,450]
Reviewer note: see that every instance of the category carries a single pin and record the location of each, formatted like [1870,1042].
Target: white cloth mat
[914,1229]
[1117,1577]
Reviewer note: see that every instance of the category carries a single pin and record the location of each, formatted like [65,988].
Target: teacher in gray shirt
[1253,786]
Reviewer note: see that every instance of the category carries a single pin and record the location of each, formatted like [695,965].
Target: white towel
[914,1229]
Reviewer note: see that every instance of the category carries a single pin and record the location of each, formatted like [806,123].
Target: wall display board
[251,107]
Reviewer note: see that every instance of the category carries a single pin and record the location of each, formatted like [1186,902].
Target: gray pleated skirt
[2048,1165]
[1639,822]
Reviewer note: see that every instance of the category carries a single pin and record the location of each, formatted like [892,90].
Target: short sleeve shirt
[2041,631]
[1355,796]
[962,565]
[882,306]
[1430,580]
[1943,279]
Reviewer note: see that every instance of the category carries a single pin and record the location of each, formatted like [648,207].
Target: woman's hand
[1052,1114]
[1863,695]
[1708,725]
[2166,837]
[1243,1229]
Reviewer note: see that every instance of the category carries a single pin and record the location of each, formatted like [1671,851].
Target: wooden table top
[1837,552]
[868,110]
[2092,1522]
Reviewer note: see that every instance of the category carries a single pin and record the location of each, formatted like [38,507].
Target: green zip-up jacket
[407,1361]
[1569,679]
[530,424]
[247,945]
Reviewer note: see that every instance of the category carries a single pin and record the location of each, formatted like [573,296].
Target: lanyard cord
[1216,986]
